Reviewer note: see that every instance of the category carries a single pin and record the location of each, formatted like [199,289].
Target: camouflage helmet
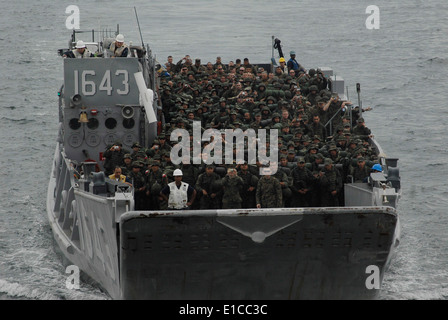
[271,98]
[333,147]
[313,88]
[136,164]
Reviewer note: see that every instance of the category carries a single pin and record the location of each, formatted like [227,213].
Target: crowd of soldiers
[321,144]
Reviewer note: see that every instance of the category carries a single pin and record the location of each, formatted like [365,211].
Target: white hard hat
[80,44]
[119,38]
[177,173]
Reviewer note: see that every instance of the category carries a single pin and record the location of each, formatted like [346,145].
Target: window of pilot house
[111,123]
[93,123]
[74,124]
[128,123]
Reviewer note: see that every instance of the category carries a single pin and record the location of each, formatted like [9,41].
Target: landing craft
[269,253]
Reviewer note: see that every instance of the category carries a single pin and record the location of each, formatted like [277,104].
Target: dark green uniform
[139,184]
[359,174]
[232,187]
[302,187]
[285,183]
[190,174]
[269,192]
[113,158]
[361,131]
[250,181]
[330,185]
[155,182]
[210,184]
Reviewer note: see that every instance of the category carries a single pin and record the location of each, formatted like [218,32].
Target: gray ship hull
[321,253]
[289,253]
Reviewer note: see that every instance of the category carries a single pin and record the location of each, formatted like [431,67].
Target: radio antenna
[140,30]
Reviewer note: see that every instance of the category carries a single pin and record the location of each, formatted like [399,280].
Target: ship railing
[102,34]
[101,40]
[389,166]
[98,184]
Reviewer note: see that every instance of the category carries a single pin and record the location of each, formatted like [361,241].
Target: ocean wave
[437,60]
[17,121]
[434,293]
[17,291]
[10,290]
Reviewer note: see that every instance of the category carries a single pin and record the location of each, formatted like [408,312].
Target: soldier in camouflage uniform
[330,185]
[139,184]
[285,183]
[207,187]
[156,180]
[360,172]
[317,128]
[190,173]
[333,154]
[269,191]
[114,157]
[137,153]
[232,186]
[197,67]
[127,167]
[250,182]
[311,153]
[303,183]
[220,119]
[361,130]
[312,95]
[257,124]
[164,146]
[154,150]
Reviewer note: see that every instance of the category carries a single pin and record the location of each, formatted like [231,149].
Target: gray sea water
[402,68]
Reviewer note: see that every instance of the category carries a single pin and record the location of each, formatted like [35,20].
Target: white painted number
[76,82]
[125,82]
[88,87]
[86,83]
[105,84]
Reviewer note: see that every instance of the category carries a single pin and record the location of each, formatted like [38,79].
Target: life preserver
[117,52]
